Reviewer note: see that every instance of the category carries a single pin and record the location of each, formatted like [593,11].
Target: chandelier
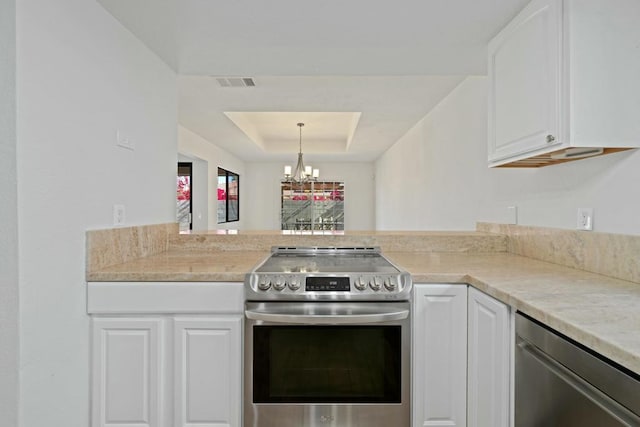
[302,173]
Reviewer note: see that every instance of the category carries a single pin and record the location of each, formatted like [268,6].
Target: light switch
[124,141]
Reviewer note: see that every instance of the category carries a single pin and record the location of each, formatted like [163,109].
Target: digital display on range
[327,284]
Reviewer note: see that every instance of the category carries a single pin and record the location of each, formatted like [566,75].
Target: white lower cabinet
[207,371]
[440,355]
[128,370]
[462,358]
[186,370]
[166,371]
[489,364]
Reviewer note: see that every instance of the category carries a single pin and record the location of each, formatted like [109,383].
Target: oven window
[327,364]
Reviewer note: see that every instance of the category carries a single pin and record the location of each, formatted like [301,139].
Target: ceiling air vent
[236,81]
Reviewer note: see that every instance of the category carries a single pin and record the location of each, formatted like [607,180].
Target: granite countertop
[598,311]
[182,266]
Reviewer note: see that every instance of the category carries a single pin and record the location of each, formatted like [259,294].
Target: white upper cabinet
[524,69]
[563,82]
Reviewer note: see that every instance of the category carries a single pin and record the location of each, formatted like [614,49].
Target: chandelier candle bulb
[316,173]
[287,170]
[307,170]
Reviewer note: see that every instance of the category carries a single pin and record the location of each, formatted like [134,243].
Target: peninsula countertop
[595,310]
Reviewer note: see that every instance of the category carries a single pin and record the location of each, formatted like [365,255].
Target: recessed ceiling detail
[369,114]
[393,64]
[294,38]
[276,132]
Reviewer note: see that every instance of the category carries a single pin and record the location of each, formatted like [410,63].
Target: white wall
[438,172]
[193,145]
[199,192]
[81,76]
[9,342]
[262,188]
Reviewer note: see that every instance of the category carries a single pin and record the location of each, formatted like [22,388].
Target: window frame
[188,165]
[228,174]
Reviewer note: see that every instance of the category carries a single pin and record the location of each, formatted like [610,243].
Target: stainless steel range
[327,340]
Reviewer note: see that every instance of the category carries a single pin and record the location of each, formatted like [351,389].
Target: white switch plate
[124,141]
[118,215]
[512,214]
[585,219]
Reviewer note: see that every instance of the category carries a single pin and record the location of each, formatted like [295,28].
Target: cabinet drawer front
[165,297]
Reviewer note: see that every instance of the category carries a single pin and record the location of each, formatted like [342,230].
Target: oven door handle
[327,319]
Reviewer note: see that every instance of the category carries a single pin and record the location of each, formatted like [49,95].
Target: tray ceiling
[389,61]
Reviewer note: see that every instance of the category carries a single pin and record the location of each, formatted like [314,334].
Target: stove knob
[360,284]
[390,284]
[376,284]
[264,285]
[279,284]
[294,285]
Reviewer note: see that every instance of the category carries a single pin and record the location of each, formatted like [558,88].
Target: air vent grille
[236,81]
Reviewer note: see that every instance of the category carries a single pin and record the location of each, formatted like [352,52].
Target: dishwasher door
[558,383]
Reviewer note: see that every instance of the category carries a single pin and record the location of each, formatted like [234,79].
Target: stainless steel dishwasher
[560,383]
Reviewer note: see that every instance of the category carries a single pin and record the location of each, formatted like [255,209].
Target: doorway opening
[184,208]
[228,196]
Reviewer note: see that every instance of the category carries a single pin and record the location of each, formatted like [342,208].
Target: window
[314,206]
[228,196]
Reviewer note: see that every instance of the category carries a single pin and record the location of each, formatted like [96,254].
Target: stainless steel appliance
[560,383]
[327,340]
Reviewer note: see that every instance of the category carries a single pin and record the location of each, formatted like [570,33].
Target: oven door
[327,364]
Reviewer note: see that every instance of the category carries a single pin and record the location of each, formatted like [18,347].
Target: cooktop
[327,263]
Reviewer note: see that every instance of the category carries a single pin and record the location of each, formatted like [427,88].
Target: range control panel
[300,286]
[327,273]
[327,284]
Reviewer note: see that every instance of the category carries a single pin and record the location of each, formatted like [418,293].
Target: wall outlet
[118,215]
[585,219]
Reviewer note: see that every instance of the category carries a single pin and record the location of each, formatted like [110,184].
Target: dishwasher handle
[579,384]
[325,318]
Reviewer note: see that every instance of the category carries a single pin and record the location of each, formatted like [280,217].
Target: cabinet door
[440,355]
[208,360]
[524,82]
[127,372]
[489,362]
